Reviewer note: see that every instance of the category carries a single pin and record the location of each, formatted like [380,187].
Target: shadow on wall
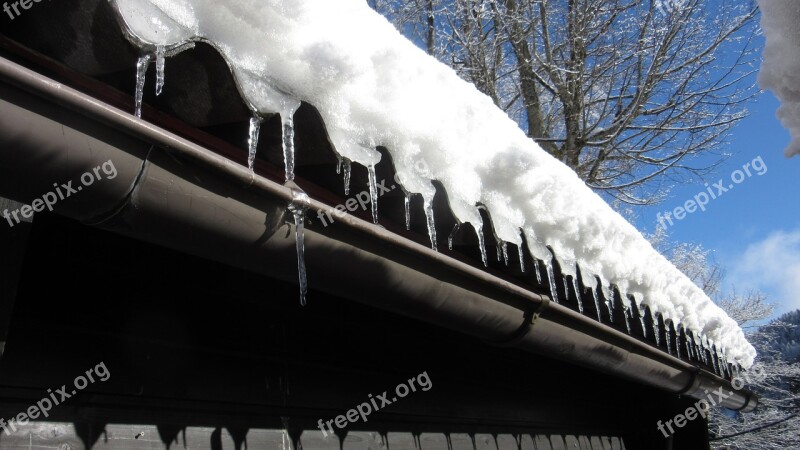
[133,437]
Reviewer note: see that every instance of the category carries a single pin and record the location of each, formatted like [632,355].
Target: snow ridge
[375,88]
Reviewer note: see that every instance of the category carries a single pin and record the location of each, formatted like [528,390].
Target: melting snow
[375,88]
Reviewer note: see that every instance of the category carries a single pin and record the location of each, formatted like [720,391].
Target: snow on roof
[780,71]
[374,88]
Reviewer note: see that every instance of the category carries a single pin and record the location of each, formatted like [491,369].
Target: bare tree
[626,92]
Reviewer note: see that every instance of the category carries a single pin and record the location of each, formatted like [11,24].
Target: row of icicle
[699,349]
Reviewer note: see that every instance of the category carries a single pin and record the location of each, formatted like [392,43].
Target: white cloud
[772,265]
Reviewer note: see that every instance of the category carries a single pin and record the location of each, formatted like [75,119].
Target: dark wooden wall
[207,356]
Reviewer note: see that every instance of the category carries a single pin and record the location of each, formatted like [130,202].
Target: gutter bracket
[529,320]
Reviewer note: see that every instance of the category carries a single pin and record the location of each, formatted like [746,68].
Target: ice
[373,193]
[504,248]
[610,305]
[372,87]
[538,271]
[408,212]
[287,139]
[428,204]
[577,294]
[656,329]
[642,314]
[482,243]
[521,254]
[597,305]
[252,141]
[346,167]
[141,76]
[668,333]
[452,236]
[626,310]
[160,67]
[298,207]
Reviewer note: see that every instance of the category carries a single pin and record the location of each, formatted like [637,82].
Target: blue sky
[753,229]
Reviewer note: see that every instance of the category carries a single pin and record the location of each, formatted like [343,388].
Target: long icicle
[141,76]
[252,141]
[538,271]
[610,305]
[373,192]
[346,167]
[577,289]
[668,333]
[628,314]
[642,314]
[287,122]
[160,68]
[521,254]
[482,243]
[408,211]
[298,209]
[656,329]
[452,236]
[597,303]
[428,204]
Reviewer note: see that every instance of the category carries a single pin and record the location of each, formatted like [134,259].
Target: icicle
[141,75]
[690,350]
[642,313]
[373,192]
[723,364]
[498,251]
[287,121]
[160,63]
[538,271]
[521,259]
[656,329]
[346,166]
[610,306]
[566,287]
[678,341]
[298,208]
[338,165]
[628,316]
[252,141]
[408,211]
[715,359]
[504,247]
[668,332]
[551,276]
[452,236]
[482,244]
[597,303]
[431,224]
[577,293]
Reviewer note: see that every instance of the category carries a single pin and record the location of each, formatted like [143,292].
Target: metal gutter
[176,193]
